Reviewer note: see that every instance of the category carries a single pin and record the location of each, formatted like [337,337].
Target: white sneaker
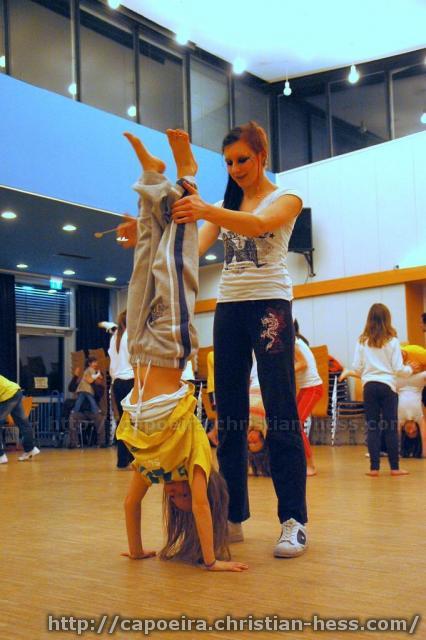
[235,532]
[29,454]
[293,540]
[3,459]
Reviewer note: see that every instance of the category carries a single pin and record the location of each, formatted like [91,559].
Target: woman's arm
[207,236]
[283,210]
[132,507]
[299,359]
[203,521]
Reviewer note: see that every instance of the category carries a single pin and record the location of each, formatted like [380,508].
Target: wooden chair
[320,417]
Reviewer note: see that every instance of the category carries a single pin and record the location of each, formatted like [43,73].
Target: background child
[377,362]
[85,390]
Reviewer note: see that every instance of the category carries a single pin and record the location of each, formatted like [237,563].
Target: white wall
[368,209]
[368,212]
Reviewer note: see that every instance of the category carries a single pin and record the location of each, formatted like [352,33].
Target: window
[409,93]
[209,105]
[303,127]
[294,134]
[2,51]
[161,88]
[107,78]
[359,113]
[39,305]
[40,44]
[251,103]
[41,364]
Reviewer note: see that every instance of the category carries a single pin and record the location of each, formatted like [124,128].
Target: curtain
[7,327]
[92,306]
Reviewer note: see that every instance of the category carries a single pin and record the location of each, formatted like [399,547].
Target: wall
[368,210]
[60,148]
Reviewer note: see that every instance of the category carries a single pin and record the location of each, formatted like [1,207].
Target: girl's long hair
[255,136]
[411,446]
[378,329]
[121,321]
[182,541]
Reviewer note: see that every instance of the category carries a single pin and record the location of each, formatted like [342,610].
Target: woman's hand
[189,209]
[230,565]
[139,556]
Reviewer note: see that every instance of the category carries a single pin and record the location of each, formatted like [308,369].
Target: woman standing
[255,220]
[121,373]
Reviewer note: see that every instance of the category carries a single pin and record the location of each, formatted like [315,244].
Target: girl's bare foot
[148,161]
[182,153]
[372,474]
[311,471]
[399,472]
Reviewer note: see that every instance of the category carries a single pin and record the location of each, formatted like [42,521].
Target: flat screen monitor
[301,238]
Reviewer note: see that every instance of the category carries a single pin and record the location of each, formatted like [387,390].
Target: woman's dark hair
[411,447]
[297,332]
[121,321]
[253,135]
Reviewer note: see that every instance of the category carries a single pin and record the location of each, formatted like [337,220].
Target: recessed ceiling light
[69,227]
[131,111]
[114,4]
[72,89]
[210,256]
[8,215]
[2,62]
[22,265]
[110,279]
[69,272]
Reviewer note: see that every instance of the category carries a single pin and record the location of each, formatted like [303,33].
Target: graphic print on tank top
[242,252]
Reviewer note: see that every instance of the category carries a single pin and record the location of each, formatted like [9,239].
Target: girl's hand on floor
[230,565]
[140,556]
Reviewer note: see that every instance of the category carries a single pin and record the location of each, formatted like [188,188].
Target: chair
[83,426]
[320,417]
[351,412]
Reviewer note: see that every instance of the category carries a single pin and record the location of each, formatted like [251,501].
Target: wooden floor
[62,531]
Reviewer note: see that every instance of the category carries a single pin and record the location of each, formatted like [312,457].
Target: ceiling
[279,36]
[35,238]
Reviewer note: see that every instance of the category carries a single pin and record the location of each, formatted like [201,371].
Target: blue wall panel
[54,146]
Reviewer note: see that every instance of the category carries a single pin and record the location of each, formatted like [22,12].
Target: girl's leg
[422,429]
[390,426]
[120,389]
[80,398]
[94,407]
[165,277]
[273,338]
[306,400]
[232,364]
[372,405]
